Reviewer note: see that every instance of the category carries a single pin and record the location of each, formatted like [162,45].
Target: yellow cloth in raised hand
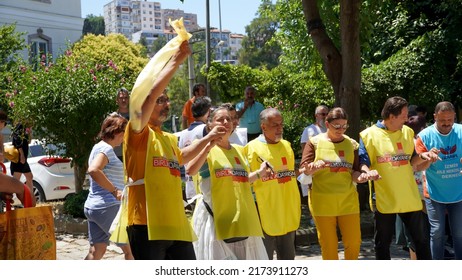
[146,79]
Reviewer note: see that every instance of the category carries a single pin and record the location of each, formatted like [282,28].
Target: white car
[53,176]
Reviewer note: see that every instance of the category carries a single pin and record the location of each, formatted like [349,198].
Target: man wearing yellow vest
[278,198]
[385,153]
[157,225]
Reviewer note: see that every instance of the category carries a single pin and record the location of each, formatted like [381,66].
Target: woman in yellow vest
[226,219]
[331,158]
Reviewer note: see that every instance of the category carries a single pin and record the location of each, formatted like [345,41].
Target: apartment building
[49,26]
[235,44]
[189,19]
[137,19]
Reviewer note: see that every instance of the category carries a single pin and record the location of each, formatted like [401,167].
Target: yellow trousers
[350,230]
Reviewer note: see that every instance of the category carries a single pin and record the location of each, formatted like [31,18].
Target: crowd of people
[244,188]
[241,179]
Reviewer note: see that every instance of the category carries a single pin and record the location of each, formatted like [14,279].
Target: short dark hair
[112,124]
[417,123]
[336,113]
[196,88]
[250,88]
[201,106]
[421,109]
[3,116]
[393,106]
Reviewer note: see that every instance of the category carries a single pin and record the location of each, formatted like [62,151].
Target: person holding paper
[158,228]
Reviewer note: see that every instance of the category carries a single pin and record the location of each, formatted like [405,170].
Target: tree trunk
[350,86]
[342,70]
[332,60]
[79,177]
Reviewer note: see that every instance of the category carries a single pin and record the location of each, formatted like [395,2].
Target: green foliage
[419,72]
[10,43]
[94,25]
[229,81]
[67,101]
[415,53]
[258,48]
[73,205]
[158,44]
[296,95]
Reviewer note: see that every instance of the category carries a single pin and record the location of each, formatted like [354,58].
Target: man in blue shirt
[248,111]
[444,179]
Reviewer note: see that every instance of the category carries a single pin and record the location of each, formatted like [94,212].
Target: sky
[235,14]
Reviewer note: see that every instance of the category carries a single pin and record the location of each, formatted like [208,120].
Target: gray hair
[444,106]
[265,114]
[320,107]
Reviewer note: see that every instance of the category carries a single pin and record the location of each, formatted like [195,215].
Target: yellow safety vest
[333,192]
[166,218]
[278,197]
[390,154]
[234,210]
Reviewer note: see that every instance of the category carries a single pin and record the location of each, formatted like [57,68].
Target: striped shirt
[99,197]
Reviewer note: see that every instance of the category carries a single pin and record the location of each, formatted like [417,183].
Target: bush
[74,204]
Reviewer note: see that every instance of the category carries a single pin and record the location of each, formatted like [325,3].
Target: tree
[158,44]
[66,102]
[93,25]
[415,53]
[342,68]
[258,50]
[10,42]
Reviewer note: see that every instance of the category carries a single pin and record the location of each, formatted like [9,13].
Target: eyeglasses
[162,100]
[322,114]
[339,126]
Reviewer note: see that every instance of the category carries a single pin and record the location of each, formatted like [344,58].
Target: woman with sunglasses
[226,219]
[331,158]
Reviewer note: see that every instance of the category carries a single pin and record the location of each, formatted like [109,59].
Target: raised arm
[191,151]
[162,82]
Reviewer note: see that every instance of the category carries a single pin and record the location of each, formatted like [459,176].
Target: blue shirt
[99,197]
[251,117]
[444,180]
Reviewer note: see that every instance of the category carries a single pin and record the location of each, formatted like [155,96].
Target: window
[39,50]
[40,47]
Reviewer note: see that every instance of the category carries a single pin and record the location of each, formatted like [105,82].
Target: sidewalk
[71,247]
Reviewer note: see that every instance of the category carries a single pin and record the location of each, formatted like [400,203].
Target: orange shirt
[187,110]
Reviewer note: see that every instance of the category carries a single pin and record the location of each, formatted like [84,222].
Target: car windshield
[39,150]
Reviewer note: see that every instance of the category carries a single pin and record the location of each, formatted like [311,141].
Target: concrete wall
[60,20]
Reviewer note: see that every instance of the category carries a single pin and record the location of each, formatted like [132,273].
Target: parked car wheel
[38,193]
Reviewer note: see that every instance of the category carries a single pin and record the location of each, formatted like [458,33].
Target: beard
[163,116]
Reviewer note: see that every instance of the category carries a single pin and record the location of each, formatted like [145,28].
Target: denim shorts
[99,222]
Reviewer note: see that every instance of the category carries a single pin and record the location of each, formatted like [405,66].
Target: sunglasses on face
[339,126]
[322,114]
